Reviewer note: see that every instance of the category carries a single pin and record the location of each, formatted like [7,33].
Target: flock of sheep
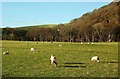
[53,59]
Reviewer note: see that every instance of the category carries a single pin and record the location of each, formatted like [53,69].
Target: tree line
[63,33]
[100,25]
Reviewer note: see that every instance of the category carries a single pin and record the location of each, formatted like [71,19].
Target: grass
[73,59]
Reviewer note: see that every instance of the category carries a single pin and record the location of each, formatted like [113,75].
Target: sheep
[53,60]
[32,49]
[92,43]
[60,45]
[6,53]
[95,59]
[81,42]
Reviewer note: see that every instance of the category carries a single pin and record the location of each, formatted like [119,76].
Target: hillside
[106,15]
[99,25]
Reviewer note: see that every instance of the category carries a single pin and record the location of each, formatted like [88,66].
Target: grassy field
[73,59]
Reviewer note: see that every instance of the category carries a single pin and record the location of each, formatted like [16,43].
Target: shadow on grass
[70,65]
[73,63]
[73,66]
[109,62]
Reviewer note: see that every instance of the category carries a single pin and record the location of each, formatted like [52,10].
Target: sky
[18,14]
[58,0]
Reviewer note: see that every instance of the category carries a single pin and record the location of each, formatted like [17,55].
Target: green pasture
[73,59]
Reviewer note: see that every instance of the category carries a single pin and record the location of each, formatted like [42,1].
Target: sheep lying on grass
[53,60]
[6,53]
[95,59]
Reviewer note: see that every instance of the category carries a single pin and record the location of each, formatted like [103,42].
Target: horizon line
[32,25]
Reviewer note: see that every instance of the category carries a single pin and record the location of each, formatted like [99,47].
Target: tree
[20,34]
[6,33]
[116,33]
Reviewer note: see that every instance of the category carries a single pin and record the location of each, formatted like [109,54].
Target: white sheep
[81,42]
[53,60]
[92,43]
[95,59]
[60,45]
[6,53]
[32,49]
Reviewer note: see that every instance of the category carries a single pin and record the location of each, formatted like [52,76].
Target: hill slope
[106,15]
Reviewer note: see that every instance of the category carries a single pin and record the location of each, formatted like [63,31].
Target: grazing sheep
[60,45]
[6,53]
[32,49]
[92,43]
[81,42]
[95,59]
[53,60]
